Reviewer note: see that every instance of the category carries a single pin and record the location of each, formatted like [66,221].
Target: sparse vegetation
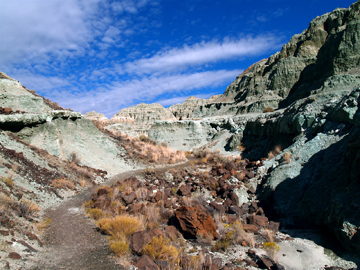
[274,152]
[160,249]
[268,109]
[63,183]
[272,250]
[286,157]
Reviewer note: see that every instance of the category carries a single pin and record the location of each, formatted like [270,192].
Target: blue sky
[107,55]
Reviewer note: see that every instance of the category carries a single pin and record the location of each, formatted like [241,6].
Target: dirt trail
[72,241]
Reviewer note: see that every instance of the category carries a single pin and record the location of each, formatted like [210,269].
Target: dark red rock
[171,232]
[227,203]
[4,233]
[249,174]
[275,226]
[184,190]
[194,221]
[163,265]
[234,198]
[218,207]
[253,207]
[135,208]
[250,262]
[14,256]
[168,203]
[158,196]
[230,166]
[251,190]
[146,263]
[128,199]
[141,238]
[258,220]
[250,228]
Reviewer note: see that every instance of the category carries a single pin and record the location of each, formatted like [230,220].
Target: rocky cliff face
[137,120]
[313,82]
[62,133]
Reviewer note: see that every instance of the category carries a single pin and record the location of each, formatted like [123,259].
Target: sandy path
[71,241]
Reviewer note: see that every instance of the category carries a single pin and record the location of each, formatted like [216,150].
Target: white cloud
[201,53]
[30,30]
[108,99]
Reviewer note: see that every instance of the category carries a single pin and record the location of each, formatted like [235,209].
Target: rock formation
[313,83]
[137,120]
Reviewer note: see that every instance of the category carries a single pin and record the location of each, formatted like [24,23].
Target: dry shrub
[241,147]
[152,215]
[141,194]
[274,152]
[63,183]
[6,203]
[95,213]
[146,139]
[268,234]
[145,149]
[287,156]
[44,224]
[149,171]
[268,109]
[27,208]
[120,226]
[8,182]
[272,250]
[250,239]
[160,249]
[120,248]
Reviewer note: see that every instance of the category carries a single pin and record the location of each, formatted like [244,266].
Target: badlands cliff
[313,84]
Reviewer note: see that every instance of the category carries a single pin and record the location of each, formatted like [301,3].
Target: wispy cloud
[200,53]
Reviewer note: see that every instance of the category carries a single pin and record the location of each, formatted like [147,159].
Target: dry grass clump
[27,208]
[274,152]
[286,157]
[8,182]
[120,248]
[63,183]
[95,213]
[152,215]
[211,157]
[44,224]
[268,234]
[268,109]
[120,228]
[147,150]
[160,249]
[272,250]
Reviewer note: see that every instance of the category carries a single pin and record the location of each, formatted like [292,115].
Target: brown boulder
[158,196]
[234,198]
[218,207]
[230,166]
[128,199]
[194,221]
[184,190]
[141,238]
[145,263]
[250,228]
[14,256]
[171,233]
[258,220]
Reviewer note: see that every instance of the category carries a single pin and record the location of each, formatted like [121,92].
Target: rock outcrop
[310,139]
[62,133]
[137,120]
